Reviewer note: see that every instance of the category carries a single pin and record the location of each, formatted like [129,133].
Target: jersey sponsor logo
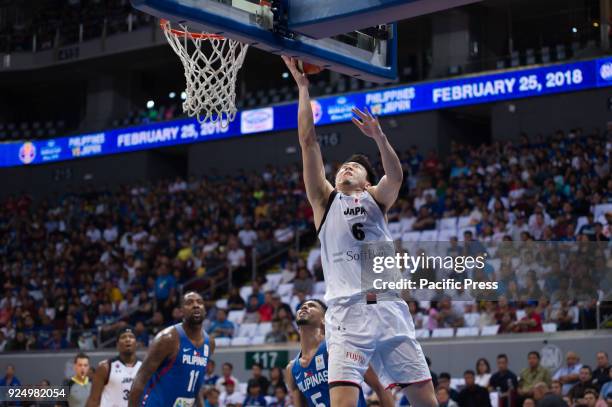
[359,210]
[312,380]
[355,356]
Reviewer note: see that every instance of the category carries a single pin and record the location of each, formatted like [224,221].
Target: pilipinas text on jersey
[312,380]
[176,383]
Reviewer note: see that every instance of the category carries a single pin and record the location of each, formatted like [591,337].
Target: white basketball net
[211,65]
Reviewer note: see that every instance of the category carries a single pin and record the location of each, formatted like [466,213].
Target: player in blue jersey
[173,370]
[306,375]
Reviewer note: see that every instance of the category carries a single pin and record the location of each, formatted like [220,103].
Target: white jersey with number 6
[352,232]
[118,383]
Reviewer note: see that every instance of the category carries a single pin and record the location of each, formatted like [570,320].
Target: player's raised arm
[161,347]
[99,381]
[387,189]
[385,397]
[296,394]
[317,186]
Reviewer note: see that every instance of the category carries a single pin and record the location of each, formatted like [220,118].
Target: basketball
[308,68]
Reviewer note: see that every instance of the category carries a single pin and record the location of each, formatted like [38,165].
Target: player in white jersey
[363,327]
[113,378]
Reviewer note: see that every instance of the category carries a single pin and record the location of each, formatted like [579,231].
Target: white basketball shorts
[380,334]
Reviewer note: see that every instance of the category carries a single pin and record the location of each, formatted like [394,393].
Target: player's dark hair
[469,371]
[256,364]
[321,303]
[365,162]
[587,367]
[211,362]
[228,364]
[536,353]
[502,356]
[80,355]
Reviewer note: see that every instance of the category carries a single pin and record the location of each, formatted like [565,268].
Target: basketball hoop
[211,65]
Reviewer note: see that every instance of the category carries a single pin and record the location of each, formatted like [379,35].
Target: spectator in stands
[283,234]
[483,372]
[504,380]
[585,382]
[589,399]
[266,311]
[556,387]
[230,395]
[568,374]
[532,374]
[424,220]
[529,402]
[606,389]
[303,282]
[9,378]
[276,335]
[473,395]
[545,397]
[601,374]
[259,378]
[251,315]
[447,316]
[211,397]
[531,322]
[254,396]
[444,380]
[247,236]
[226,378]
[235,300]
[210,378]
[222,327]
[443,397]
[276,379]
[281,398]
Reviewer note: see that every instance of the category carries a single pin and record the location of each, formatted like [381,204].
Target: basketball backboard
[354,37]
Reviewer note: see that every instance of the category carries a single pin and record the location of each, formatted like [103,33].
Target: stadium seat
[422,333]
[396,230]
[602,209]
[471,320]
[463,222]
[520,314]
[411,237]
[222,342]
[448,224]
[258,340]
[273,281]
[489,330]
[319,287]
[429,236]
[221,303]
[247,330]
[245,292]
[242,388]
[551,327]
[560,51]
[407,224]
[263,328]
[269,400]
[545,53]
[445,235]
[285,289]
[443,333]
[236,316]
[467,331]
[240,341]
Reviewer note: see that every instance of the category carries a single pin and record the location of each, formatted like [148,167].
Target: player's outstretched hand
[367,123]
[300,78]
